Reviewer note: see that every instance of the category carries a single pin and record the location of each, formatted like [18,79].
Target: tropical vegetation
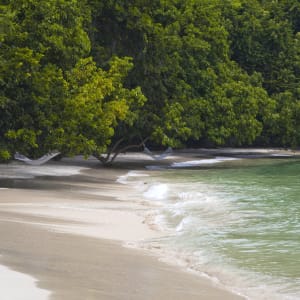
[92,77]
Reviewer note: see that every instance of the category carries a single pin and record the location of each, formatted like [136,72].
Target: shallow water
[236,221]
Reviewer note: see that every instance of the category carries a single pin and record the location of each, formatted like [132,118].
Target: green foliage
[46,101]
[173,44]
[55,28]
[232,112]
[284,129]
[75,75]
[4,155]
[96,103]
[265,38]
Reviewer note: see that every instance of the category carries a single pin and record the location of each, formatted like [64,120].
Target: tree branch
[106,160]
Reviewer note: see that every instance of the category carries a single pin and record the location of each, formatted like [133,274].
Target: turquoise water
[237,221]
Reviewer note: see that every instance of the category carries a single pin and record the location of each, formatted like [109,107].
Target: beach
[70,233]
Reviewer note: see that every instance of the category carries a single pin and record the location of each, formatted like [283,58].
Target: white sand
[117,220]
[18,286]
[23,171]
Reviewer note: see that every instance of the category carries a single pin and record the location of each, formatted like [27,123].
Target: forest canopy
[90,77]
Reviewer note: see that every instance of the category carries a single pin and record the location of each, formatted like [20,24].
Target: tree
[52,95]
[264,38]
[263,41]
[213,73]
[35,44]
[97,103]
[235,110]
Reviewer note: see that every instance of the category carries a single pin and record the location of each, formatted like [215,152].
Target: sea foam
[202,162]
[125,179]
[157,191]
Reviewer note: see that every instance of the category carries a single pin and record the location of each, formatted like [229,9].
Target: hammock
[36,162]
[165,154]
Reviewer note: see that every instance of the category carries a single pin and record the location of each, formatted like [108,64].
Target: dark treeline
[90,77]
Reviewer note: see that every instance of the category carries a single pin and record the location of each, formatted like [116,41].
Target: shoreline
[92,268]
[66,209]
[40,218]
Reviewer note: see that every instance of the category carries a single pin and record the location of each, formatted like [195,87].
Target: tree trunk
[112,154]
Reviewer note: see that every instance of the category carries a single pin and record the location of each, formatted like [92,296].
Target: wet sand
[68,232]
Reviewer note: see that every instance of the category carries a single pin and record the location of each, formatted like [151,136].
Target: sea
[236,221]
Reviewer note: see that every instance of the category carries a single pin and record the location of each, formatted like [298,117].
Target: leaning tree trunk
[108,159]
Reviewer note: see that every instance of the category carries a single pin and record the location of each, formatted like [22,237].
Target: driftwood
[36,162]
[108,159]
[165,154]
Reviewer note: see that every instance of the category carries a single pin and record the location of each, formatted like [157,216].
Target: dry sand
[67,233]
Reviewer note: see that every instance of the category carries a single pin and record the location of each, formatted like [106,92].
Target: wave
[157,191]
[202,162]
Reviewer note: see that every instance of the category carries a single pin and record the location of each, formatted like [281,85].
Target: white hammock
[165,154]
[36,162]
